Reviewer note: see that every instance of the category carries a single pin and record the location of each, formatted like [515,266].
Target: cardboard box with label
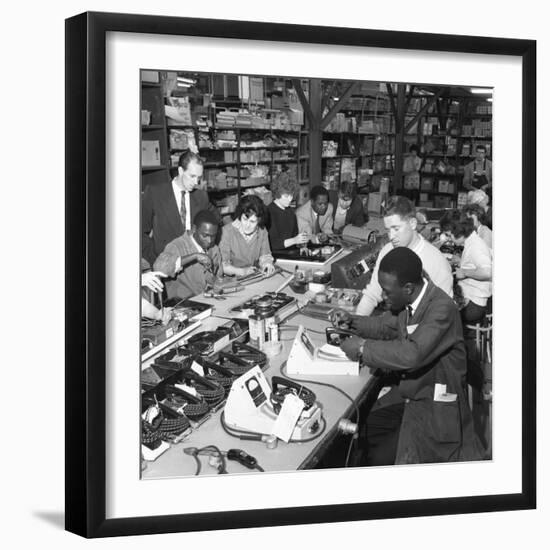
[150,153]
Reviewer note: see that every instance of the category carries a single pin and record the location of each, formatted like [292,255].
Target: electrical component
[248,461]
[355,269]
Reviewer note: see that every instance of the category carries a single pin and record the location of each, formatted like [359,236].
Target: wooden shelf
[151,168]
[182,127]
[248,148]
[221,190]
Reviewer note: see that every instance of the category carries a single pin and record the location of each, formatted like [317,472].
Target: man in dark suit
[169,208]
[420,341]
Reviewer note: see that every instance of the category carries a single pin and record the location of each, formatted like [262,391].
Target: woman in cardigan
[244,244]
[282,223]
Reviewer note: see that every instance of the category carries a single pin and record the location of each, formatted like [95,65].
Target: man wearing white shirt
[400,222]
[168,208]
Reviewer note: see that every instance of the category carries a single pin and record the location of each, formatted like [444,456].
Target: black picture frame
[85,273]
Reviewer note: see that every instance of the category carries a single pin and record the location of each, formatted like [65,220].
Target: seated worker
[400,222]
[151,283]
[421,340]
[347,207]
[193,260]
[476,213]
[282,223]
[475,266]
[169,208]
[480,197]
[315,216]
[244,244]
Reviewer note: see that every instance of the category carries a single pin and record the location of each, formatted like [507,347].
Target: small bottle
[256,330]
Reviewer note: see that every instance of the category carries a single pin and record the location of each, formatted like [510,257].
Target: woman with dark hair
[244,244]
[475,269]
[282,223]
[347,207]
[478,216]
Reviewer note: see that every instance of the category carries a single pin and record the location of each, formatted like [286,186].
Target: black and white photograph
[300,276]
[316,273]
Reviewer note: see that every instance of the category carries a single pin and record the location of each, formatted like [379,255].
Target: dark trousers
[472,313]
[382,434]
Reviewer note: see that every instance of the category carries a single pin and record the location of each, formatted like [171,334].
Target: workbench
[286,456]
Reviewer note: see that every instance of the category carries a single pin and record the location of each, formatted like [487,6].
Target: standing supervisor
[421,340]
[478,174]
[192,261]
[400,222]
[168,208]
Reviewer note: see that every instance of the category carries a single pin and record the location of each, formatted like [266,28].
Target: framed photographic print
[166,391]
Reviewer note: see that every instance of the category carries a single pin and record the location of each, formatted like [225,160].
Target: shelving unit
[441,186]
[363,131]
[250,129]
[154,150]
[236,156]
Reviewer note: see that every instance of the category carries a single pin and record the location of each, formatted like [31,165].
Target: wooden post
[315,133]
[399,137]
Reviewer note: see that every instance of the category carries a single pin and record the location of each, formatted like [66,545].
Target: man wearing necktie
[420,341]
[168,209]
[315,217]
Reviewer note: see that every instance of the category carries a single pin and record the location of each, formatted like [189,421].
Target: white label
[195,367]
[288,417]
[150,414]
[188,389]
[440,394]
[365,266]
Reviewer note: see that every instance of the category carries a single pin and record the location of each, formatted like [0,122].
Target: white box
[150,153]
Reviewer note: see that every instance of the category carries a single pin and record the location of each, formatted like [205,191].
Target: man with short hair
[192,261]
[168,208]
[347,206]
[400,222]
[315,216]
[420,339]
[478,174]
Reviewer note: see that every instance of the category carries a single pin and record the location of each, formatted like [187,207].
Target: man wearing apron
[478,174]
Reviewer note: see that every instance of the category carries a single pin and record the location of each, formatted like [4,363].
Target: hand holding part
[459,274]
[341,319]
[151,279]
[204,260]
[322,237]
[166,315]
[353,347]
[301,238]
[268,269]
